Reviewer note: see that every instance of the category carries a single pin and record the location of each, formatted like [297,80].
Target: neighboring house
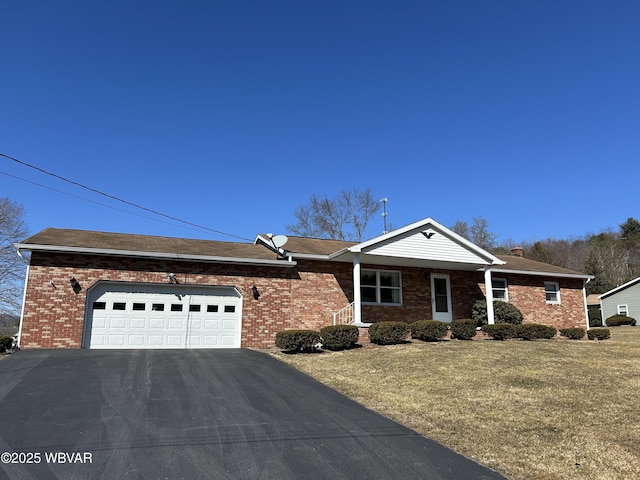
[110,290]
[622,300]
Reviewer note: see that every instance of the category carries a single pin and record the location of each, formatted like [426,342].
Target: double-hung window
[552,292]
[500,291]
[381,287]
[623,310]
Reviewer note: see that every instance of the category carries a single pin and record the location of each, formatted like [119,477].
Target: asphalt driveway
[191,414]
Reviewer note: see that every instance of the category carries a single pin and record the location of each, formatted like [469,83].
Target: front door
[441,297]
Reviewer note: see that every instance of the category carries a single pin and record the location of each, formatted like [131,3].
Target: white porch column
[357,300]
[488,285]
[586,308]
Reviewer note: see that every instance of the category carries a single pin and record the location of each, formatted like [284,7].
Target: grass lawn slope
[545,409]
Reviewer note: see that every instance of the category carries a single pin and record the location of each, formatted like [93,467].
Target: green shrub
[618,320]
[598,334]
[500,331]
[535,331]
[429,330]
[463,328]
[503,312]
[5,343]
[297,340]
[573,333]
[339,337]
[388,333]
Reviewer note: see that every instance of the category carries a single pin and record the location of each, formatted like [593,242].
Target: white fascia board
[157,255]
[339,253]
[540,274]
[309,256]
[621,287]
[491,259]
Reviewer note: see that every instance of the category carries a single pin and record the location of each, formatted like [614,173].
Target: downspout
[24,299]
[357,299]
[488,285]
[584,297]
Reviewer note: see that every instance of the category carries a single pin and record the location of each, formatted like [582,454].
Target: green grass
[549,409]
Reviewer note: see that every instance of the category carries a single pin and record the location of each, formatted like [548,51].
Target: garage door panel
[117,322]
[156,340]
[159,316]
[116,340]
[136,340]
[99,322]
[157,323]
[138,322]
[175,341]
[177,324]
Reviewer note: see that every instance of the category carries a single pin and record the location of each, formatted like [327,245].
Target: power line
[86,199]
[112,197]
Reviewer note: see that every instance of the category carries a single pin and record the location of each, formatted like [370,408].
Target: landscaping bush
[463,329]
[598,334]
[500,331]
[388,333]
[573,333]
[619,320]
[5,343]
[535,331]
[503,312]
[297,340]
[429,330]
[339,337]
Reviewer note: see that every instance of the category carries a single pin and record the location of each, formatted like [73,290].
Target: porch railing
[344,316]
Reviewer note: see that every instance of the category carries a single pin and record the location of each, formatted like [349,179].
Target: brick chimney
[517,252]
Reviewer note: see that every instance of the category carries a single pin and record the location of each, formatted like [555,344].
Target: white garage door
[162,316]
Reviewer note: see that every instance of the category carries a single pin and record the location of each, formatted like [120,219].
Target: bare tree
[12,267]
[345,217]
[478,232]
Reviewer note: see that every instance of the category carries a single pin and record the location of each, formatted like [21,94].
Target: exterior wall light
[75,285]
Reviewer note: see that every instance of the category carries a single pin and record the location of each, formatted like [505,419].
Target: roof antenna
[384,213]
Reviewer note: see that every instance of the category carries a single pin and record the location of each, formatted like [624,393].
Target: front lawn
[546,409]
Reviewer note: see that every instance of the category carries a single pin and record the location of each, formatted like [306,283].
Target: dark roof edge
[155,255]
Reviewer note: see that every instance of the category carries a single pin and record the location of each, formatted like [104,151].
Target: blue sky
[230,114]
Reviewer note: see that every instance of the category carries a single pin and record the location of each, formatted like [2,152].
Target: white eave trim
[618,288]
[158,255]
[542,274]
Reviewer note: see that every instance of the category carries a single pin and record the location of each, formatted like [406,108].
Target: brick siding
[301,297]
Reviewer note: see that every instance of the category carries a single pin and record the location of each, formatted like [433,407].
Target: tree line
[612,256]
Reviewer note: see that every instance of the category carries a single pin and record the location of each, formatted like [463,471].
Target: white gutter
[156,255]
[543,274]
[308,256]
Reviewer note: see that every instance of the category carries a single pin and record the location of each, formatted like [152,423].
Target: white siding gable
[427,244]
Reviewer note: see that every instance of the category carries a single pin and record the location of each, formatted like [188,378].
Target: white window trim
[626,309]
[506,289]
[378,287]
[557,301]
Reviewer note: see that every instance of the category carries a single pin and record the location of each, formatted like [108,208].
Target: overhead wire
[112,197]
[84,199]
